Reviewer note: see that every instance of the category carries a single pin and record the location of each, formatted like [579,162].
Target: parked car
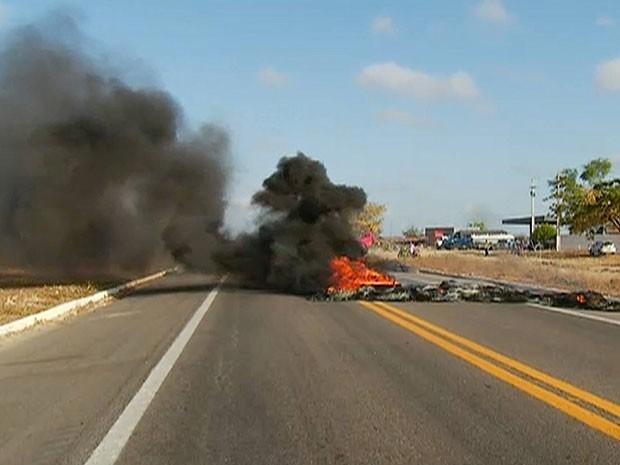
[602,248]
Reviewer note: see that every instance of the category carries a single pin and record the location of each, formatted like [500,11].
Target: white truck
[491,239]
[476,239]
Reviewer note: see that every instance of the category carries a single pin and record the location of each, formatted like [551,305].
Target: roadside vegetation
[588,200]
[22,296]
[544,234]
[370,219]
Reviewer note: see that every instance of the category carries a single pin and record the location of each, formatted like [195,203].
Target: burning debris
[355,280]
[98,177]
[306,222]
[349,275]
[343,288]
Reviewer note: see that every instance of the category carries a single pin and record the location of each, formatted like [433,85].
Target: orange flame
[350,274]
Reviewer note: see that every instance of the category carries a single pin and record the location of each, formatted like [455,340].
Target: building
[578,242]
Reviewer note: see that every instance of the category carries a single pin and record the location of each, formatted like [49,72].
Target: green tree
[544,234]
[477,224]
[588,200]
[566,194]
[370,219]
[596,171]
[412,231]
[601,206]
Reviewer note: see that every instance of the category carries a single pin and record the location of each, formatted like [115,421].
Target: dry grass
[16,302]
[569,272]
[22,295]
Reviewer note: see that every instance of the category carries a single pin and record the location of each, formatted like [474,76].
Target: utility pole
[532,209]
[556,194]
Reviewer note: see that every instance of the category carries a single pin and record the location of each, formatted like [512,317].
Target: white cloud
[605,21]
[271,77]
[418,84]
[608,75]
[383,25]
[492,11]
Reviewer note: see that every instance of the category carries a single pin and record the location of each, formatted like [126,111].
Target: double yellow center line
[552,391]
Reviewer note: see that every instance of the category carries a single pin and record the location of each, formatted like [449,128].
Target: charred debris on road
[452,291]
[455,291]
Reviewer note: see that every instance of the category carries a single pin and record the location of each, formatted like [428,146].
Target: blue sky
[443,110]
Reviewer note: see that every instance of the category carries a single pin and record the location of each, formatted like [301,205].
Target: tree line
[586,200]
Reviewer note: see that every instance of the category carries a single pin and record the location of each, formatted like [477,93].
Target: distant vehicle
[492,239]
[460,240]
[440,241]
[475,239]
[602,248]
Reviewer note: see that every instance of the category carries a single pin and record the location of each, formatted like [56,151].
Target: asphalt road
[277,379]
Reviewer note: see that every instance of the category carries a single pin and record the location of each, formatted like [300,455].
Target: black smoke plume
[98,177]
[306,221]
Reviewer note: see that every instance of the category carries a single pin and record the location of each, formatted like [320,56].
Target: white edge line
[575,313]
[111,446]
[67,308]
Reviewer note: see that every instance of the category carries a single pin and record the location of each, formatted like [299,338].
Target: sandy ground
[570,272]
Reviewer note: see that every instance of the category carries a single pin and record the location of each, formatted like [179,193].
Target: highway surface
[180,374]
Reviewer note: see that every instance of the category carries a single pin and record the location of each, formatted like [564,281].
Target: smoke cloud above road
[305,222]
[97,176]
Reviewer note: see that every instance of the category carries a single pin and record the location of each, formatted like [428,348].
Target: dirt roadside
[22,296]
[568,272]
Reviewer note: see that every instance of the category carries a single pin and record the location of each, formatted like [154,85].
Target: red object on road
[367,239]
